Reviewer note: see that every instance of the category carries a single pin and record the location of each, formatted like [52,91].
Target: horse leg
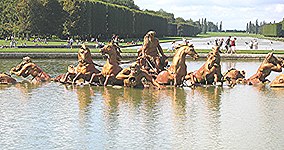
[76,77]
[65,78]
[215,78]
[175,79]
[158,64]
[106,81]
[192,78]
[206,79]
[94,75]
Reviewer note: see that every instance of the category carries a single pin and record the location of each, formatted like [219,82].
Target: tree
[170,16]
[220,29]
[256,27]
[190,21]
[127,3]
[8,19]
[180,20]
[211,27]
[72,15]
[205,26]
[23,23]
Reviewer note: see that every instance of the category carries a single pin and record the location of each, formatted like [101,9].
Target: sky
[234,14]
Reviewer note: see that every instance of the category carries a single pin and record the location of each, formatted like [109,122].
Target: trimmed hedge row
[82,18]
[187,30]
[275,29]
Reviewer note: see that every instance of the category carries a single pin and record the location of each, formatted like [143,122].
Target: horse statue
[6,79]
[234,76]
[178,69]
[269,64]
[84,70]
[27,68]
[278,81]
[111,68]
[209,72]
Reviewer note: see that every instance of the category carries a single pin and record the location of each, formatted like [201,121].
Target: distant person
[228,44]
[233,46]
[184,40]
[251,44]
[116,39]
[255,44]
[71,41]
[271,45]
[173,46]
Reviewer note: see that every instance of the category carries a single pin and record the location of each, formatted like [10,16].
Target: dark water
[54,116]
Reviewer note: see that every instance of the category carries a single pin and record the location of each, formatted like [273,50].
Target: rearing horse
[28,68]
[177,71]
[269,64]
[85,68]
[111,67]
[210,72]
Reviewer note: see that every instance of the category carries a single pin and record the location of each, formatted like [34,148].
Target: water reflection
[127,118]
[84,95]
[5,86]
[229,65]
[207,111]
[212,96]
[27,88]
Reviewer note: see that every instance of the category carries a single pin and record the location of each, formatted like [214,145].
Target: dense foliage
[90,18]
[266,29]
[63,18]
[127,3]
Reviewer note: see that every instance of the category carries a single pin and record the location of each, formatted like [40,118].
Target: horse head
[215,50]
[215,53]
[212,60]
[271,58]
[189,50]
[84,54]
[112,50]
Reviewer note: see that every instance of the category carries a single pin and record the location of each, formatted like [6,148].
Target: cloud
[233,13]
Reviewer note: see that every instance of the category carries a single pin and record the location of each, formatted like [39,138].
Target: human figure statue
[151,49]
[132,77]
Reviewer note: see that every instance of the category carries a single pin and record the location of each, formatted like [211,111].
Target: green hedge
[81,18]
[172,29]
[187,30]
[272,30]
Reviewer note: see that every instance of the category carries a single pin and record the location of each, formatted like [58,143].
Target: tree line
[267,29]
[63,18]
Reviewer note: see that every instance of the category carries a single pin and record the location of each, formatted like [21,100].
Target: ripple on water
[54,116]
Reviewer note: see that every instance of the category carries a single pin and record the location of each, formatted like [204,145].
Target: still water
[54,116]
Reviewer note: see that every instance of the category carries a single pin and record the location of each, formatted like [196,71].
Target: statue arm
[270,66]
[151,79]
[99,65]
[277,68]
[144,46]
[23,70]
[124,74]
[160,49]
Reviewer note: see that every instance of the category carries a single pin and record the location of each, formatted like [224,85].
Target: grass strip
[75,50]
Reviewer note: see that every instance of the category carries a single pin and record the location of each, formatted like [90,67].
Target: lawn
[162,40]
[75,50]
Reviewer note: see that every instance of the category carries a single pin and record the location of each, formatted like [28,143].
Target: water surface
[54,116]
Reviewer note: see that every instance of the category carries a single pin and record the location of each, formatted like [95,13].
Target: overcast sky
[233,13]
